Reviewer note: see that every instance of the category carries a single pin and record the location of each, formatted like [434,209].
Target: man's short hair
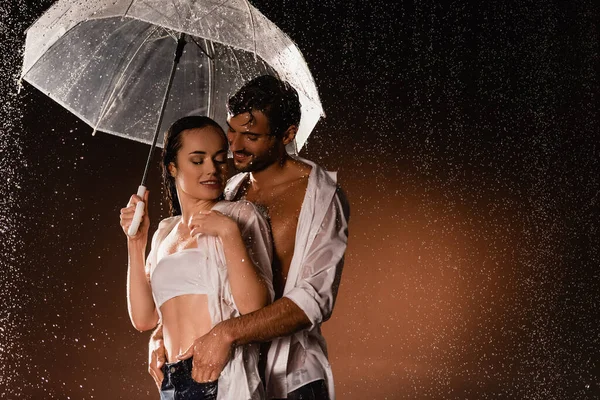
[277,99]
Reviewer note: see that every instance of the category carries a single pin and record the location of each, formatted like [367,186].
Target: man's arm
[213,351]
[281,318]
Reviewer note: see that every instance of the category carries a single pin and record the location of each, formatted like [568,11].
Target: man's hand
[211,353]
[156,356]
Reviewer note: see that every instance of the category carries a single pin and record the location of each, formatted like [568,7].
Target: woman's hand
[127,217]
[212,223]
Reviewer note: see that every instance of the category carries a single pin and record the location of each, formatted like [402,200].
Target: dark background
[466,137]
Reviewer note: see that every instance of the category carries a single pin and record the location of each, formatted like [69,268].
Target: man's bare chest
[283,206]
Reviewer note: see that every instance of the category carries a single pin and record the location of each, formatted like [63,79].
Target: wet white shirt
[240,378]
[312,283]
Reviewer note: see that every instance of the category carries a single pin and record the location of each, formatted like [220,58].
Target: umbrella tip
[94,132]
[19,85]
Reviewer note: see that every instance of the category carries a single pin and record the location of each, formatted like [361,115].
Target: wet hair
[277,99]
[171,147]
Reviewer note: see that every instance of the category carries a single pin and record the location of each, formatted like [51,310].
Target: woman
[209,262]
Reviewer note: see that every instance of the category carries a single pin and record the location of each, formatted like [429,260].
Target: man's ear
[290,134]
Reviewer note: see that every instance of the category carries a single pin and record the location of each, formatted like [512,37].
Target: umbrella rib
[156,10]
[211,84]
[200,47]
[111,97]
[177,12]
[59,17]
[167,35]
[189,8]
[128,8]
[253,27]
[213,10]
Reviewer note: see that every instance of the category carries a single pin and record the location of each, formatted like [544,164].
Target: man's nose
[235,141]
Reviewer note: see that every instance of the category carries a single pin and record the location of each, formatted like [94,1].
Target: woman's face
[201,169]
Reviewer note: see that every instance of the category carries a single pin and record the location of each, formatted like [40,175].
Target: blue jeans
[179,385]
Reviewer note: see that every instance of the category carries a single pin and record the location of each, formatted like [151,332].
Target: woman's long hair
[171,147]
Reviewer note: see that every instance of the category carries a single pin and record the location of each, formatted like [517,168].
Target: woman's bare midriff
[184,318]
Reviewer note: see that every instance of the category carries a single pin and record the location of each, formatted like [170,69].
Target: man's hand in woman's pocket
[211,353]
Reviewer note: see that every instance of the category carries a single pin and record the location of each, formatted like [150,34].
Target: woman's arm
[140,303]
[250,288]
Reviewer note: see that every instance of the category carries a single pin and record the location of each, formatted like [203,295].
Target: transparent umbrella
[132,67]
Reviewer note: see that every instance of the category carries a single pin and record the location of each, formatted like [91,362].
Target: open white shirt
[312,283]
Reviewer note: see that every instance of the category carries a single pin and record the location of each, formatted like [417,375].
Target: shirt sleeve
[318,282]
[256,234]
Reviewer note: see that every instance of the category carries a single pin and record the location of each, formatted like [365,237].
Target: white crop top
[180,273]
[203,270]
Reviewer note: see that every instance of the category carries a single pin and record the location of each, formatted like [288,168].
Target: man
[309,221]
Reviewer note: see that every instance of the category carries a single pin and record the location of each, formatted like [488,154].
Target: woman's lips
[211,184]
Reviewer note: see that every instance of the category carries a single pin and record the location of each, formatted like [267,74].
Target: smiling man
[309,217]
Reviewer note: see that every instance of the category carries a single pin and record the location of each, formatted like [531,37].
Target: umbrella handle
[139,212]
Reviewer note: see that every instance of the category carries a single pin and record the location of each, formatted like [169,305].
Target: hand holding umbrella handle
[139,212]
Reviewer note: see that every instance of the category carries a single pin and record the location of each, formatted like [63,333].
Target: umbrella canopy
[109,61]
